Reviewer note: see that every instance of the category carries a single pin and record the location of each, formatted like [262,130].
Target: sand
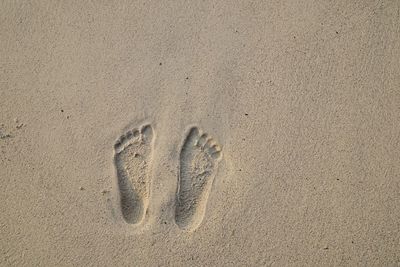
[103,107]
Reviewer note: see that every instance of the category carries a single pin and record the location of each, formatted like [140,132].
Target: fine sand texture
[200,133]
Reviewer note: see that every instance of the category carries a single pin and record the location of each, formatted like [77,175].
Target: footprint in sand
[199,159]
[132,158]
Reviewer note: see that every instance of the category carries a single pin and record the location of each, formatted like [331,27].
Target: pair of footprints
[199,159]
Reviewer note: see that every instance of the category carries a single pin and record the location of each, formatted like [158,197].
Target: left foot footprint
[132,158]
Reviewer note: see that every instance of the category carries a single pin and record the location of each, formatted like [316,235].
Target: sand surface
[103,107]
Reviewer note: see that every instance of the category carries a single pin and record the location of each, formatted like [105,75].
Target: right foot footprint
[198,165]
[132,156]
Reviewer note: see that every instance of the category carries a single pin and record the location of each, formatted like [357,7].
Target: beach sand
[200,133]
